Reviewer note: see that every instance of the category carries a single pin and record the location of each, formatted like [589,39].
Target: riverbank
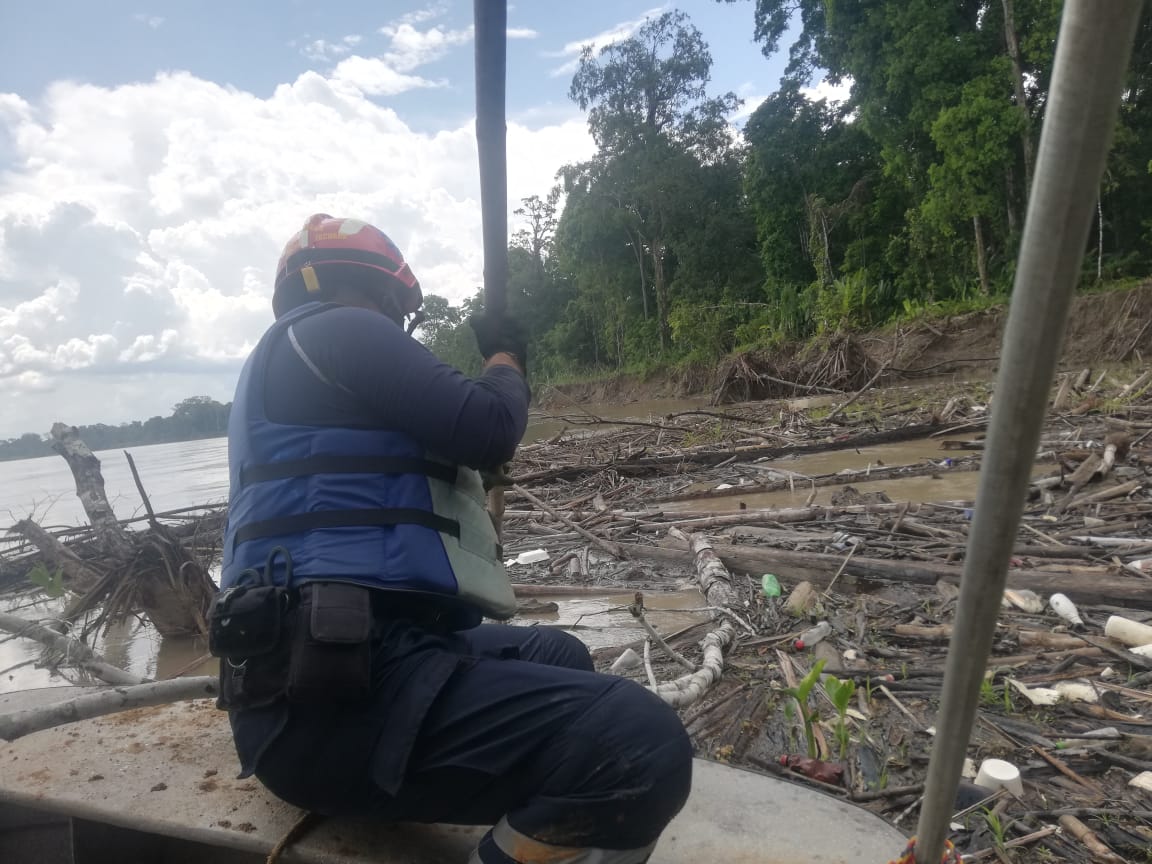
[1109,326]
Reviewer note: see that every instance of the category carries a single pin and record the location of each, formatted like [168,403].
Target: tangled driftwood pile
[844,664]
[111,570]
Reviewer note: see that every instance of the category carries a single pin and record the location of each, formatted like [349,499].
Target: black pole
[491,17]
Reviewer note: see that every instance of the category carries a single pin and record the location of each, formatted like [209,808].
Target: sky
[155,157]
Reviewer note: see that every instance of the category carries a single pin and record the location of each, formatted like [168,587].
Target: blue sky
[154,157]
[255,46]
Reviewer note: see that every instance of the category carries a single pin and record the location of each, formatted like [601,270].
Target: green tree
[654,127]
[950,96]
[447,335]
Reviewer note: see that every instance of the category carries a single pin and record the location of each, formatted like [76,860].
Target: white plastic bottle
[816,634]
[1066,609]
[1127,631]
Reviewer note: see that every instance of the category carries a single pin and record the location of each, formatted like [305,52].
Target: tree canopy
[683,237]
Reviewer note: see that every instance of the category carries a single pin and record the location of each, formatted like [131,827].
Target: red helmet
[327,240]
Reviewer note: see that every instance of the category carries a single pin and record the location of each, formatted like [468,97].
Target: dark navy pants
[522,729]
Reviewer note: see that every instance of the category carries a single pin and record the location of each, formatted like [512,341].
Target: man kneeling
[359,561]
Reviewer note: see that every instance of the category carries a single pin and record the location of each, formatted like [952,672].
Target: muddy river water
[195,473]
[942,485]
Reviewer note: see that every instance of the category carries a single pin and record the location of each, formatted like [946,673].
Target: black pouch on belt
[331,645]
[245,621]
[246,631]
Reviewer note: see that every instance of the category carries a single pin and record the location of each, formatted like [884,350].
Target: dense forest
[195,417]
[681,240]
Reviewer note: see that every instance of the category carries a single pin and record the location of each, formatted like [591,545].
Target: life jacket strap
[332,464]
[301,522]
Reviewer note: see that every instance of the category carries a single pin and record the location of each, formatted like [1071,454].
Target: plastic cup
[997,774]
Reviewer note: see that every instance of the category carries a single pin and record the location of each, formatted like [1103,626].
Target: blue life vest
[368,506]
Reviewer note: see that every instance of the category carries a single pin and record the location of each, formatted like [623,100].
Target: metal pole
[491,18]
[1092,54]
[491,31]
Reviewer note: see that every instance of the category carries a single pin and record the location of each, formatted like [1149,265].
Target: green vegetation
[51,582]
[808,715]
[196,417]
[680,242]
[841,693]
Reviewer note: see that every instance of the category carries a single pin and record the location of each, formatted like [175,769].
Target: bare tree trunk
[661,287]
[1100,238]
[637,247]
[1018,85]
[827,249]
[1010,187]
[981,259]
[90,489]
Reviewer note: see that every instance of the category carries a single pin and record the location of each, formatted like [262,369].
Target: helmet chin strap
[418,318]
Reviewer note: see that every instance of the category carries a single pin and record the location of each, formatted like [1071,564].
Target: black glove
[496,334]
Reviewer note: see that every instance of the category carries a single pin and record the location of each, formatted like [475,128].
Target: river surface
[191,473]
[194,473]
[942,485]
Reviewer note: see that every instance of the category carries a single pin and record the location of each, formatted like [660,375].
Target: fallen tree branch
[687,689]
[651,464]
[715,585]
[110,701]
[856,396]
[73,651]
[76,574]
[1100,850]
[612,549]
[1084,585]
[637,611]
[648,665]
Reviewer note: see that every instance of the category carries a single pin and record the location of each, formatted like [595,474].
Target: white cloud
[323,50]
[833,93]
[618,33]
[153,21]
[140,225]
[428,13]
[747,108]
[410,48]
[375,77]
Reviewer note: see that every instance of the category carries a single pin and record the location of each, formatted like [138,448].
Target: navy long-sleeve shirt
[354,367]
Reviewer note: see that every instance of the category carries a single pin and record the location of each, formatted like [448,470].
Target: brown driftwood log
[642,465]
[1090,586]
[716,586]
